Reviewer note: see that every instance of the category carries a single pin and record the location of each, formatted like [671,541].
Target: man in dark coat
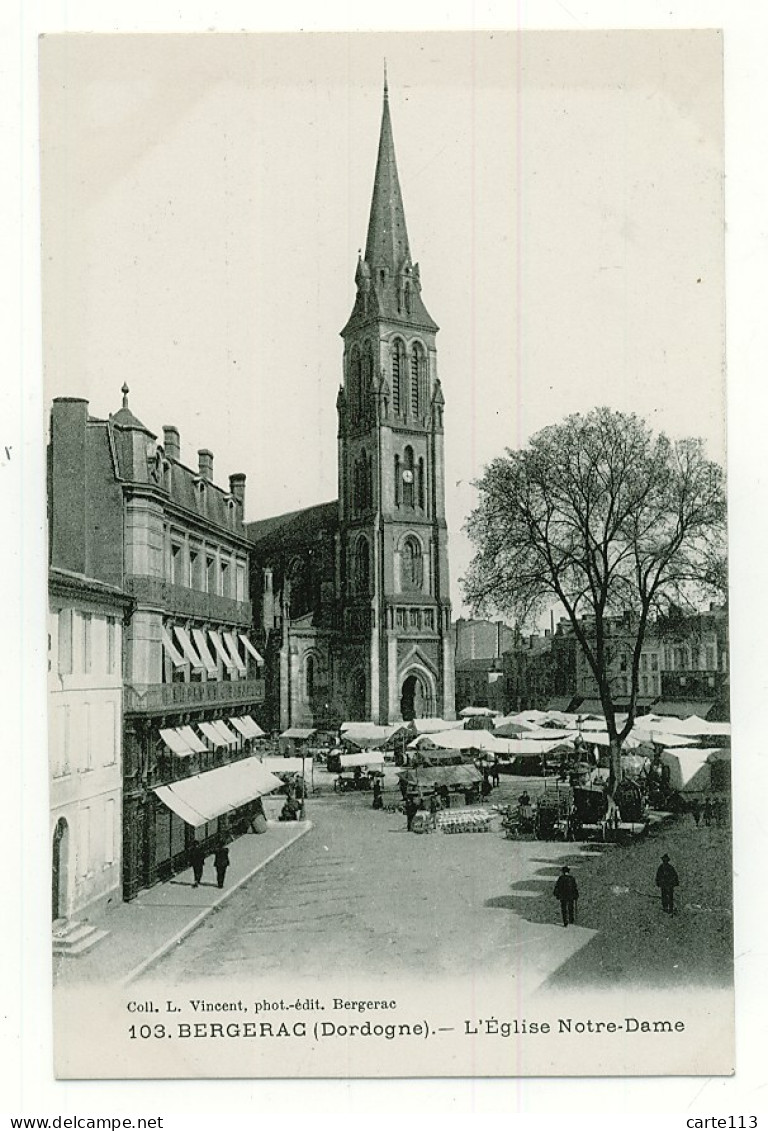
[667,880]
[221,863]
[412,807]
[197,860]
[566,890]
[378,802]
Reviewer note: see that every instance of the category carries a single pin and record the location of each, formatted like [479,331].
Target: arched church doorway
[59,870]
[412,699]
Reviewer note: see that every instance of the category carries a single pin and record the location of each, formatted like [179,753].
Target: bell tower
[397,656]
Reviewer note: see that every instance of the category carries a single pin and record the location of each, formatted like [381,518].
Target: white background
[26,1084]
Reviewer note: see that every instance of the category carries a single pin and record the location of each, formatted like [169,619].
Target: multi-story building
[85,688]
[478,649]
[529,676]
[694,670]
[174,542]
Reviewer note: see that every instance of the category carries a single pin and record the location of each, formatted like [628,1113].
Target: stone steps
[74,938]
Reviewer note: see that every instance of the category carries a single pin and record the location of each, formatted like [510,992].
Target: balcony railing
[165,696]
[178,600]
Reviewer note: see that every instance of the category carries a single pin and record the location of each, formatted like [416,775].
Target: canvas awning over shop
[250,649]
[171,651]
[230,737]
[477,712]
[188,648]
[203,652]
[218,644]
[247,727]
[214,735]
[192,740]
[231,645]
[457,740]
[303,734]
[176,742]
[205,797]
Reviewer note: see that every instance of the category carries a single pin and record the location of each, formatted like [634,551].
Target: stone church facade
[352,596]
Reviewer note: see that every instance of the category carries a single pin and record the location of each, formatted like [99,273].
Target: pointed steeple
[388,282]
[387,243]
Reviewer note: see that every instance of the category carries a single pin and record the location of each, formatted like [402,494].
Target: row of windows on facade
[84,736]
[86,644]
[411,565]
[409,477]
[163,472]
[408,383]
[194,565]
[682,657]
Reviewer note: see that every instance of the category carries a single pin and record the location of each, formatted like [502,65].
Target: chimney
[171,442]
[205,464]
[237,487]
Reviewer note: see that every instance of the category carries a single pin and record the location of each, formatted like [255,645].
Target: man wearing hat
[567,892]
[667,880]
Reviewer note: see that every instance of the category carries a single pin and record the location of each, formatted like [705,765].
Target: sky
[204,198]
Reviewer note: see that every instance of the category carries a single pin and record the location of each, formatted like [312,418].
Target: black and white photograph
[388,618]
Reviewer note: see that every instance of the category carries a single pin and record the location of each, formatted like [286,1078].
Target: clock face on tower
[407,476]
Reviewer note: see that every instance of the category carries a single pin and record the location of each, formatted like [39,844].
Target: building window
[711,658]
[654,662]
[111,645]
[109,738]
[355,381]
[398,483]
[420,484]
[87,626]
[408,487]
[416,381]
[84,847]
[398,375]
[240,592]
[194,567]
[412,564]
[400,618]
[429,619]
[362,568]
[86,737]
[109,831]
[210,574]
[224,576]
[65,641]
[310,677]
[177,559]
[413,618]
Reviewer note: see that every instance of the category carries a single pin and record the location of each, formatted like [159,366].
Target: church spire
[387,243]
[388,282]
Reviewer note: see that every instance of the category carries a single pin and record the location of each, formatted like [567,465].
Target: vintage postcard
[388,619]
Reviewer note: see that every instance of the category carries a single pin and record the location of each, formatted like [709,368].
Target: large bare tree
[607,518]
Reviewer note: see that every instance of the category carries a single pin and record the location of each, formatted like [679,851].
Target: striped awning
[247,727]
[206,796]
[218,644]
[250,648]
[231,645]
[188,648]
[171,651]
[176,742]
[201,644]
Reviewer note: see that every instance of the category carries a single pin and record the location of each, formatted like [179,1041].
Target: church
[351,597]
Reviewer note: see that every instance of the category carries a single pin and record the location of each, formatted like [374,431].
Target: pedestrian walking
[667,880]
[221,863]
[378,802]
[434,808]
[707,812]
[567,891]
[197,860]
[495,773]
[412,807]
[695,808]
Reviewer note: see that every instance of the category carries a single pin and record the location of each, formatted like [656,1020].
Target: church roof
[295,527]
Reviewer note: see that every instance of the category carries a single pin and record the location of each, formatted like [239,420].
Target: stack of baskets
[464,821]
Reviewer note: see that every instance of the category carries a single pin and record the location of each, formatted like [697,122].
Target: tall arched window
[366,383]
[412,564]
[408,476]
[420,484]
[362,575]
[310,677]
[417,369]
[398,375]
[398,482]
[355,382]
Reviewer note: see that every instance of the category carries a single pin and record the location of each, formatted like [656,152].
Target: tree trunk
[614,762]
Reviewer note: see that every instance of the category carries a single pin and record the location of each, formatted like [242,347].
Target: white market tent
[369,735]
[362,758]
[688,768]
[435,726]
[477,712]
[204,797]
[457,740]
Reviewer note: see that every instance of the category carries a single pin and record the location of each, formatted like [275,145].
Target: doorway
[412,699]
[59,870]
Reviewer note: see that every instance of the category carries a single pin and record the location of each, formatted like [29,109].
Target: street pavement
[362,895]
